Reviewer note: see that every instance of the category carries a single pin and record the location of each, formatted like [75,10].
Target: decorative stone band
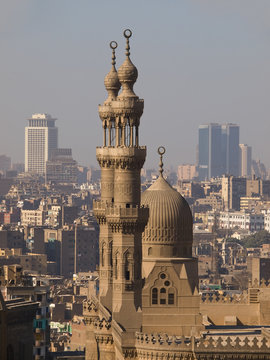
[121,157]
[119,217]
[217,299]
[214,345]
[260,284]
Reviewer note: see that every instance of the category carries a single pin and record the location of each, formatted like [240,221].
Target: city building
[5,163]
[33,288]
[73,248]
[245,160]
[210,154]
[187,172]
[33,217]
[41,137]
[245,220]
[233,188]
[61,168]
[230,149]
[16,328]
[218,150]
[258,187]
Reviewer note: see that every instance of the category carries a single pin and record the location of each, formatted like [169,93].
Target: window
[162,299]
[110,247]
[154,296]
[102,255]
[171,296]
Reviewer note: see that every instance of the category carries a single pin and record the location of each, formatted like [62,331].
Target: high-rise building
[230,149]
[41,137]
[245,159]
[61,168]
[210,158]
[218,150]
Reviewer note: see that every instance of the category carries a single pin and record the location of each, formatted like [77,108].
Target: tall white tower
[41,137]
[245,159]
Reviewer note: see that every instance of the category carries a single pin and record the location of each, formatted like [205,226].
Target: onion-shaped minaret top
[112,85]
[127,72]
[111,80]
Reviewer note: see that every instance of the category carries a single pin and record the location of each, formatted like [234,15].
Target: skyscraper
[41,137]
[210,157]
[230,149]
[218,150]
[245,160]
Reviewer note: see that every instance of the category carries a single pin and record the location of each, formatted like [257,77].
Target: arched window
[162,298]
[127,269]
[103,255]
[116,266]
[155,296]
[110,248]
[150,251]
[171,296]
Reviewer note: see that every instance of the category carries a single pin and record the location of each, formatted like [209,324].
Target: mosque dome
[168,232]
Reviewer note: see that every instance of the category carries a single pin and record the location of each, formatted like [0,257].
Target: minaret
[112,85]
[119,214]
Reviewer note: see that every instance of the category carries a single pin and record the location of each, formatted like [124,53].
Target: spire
[127,72]
[111,80]
[161,152]
[127,35]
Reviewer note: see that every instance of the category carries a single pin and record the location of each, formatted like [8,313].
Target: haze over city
[198,62]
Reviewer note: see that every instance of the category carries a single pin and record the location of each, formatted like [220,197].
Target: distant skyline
[198,62]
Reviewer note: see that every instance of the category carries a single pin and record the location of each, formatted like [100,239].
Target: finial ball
[113,45]
[127,33]
[161,150]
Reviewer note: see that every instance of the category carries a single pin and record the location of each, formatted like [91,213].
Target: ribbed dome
[168,232]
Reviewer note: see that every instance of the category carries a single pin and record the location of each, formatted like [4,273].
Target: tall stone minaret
[119,214]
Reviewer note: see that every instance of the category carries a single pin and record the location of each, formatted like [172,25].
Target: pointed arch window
[116,266]
[154,296]
[127,267]
[111,258]
[103,255]
[171,299]
[162,296]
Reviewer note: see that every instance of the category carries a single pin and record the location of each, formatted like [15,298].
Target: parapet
[209,344]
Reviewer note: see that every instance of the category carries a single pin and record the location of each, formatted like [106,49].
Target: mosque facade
[148,305]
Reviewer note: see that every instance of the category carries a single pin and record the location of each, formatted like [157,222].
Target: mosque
[148,305]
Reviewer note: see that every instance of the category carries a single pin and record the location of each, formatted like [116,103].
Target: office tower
[41,137]
[218,150]
[61,168]
[230,149]
[245,159]
[210,155]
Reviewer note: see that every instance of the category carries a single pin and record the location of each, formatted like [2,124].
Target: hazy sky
[199,61]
